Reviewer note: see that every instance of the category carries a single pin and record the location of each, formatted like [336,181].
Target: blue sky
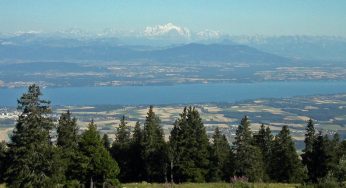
[235,17]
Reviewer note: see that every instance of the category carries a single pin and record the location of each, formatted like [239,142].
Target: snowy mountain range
[168,35]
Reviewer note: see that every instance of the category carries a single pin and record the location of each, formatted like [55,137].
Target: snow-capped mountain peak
[168,29]
[208,34]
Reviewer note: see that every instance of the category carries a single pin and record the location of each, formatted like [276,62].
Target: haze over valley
[61,60]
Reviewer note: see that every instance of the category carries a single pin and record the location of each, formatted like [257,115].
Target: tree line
[42,154]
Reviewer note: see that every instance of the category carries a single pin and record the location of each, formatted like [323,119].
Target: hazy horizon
[249,17]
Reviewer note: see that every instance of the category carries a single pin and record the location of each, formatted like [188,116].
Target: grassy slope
[205,185]
[198,185]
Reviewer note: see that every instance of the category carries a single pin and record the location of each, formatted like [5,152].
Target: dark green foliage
[285,163]
[248,159]
[3,155]
[31,155]
[67,131]
[121,148]
[321,155]
[341,151]
[264,140]
[106,142]
[307,156]
[333,150]
[30,159]
[96,163]
[321,158]
[135,166]
[309,136]
[340,171]
[154,151]
[177,143]
[189,148]
[67,143]
[220,152]
[123,132]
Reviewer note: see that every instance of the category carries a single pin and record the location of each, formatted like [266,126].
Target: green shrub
[72,184]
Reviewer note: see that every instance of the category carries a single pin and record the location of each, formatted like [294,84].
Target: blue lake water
[177,94]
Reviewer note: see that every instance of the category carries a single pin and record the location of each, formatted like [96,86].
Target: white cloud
[169,30]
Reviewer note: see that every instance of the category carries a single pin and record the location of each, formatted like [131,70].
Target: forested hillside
[44,153]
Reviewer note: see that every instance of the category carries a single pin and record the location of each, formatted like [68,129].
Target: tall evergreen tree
[248,159]
[120,149]
[178,141]
[67,142]
[31,155]
[286,166]
[321,158]
[136,163]
[341,151]
[189,145]
[310,137]
[154,149]
[123,132]
[106,142]
[3,155]
[201,141]
[340,171]
[264,140]
[334,150]
[220,151]
[67,131]
[100,166]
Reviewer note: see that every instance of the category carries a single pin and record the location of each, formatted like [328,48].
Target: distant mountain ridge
[298,47]
[195,52]
[94,50]
[326,48]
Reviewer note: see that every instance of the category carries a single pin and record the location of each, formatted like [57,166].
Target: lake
[177,94]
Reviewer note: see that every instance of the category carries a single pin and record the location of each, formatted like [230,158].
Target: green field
[207,185]
[201,185]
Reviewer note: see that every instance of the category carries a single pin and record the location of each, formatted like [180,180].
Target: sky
[234,17]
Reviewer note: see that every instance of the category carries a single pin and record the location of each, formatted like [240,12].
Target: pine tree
[248,159]
[31,154]
[154,149]
[67,142]
[340,171]
[189,146]
[136,163]
[219,155]
[100,166]
[121,148]
[177,143]
[321,158]
[106,142]
[341,149]
[3,155]
[264,140]
[67,131]
[123,132]
[310,137]
[286,166]
[200,139]
[334,150]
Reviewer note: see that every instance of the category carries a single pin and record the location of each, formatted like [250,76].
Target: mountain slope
[214,53]
[53,50]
